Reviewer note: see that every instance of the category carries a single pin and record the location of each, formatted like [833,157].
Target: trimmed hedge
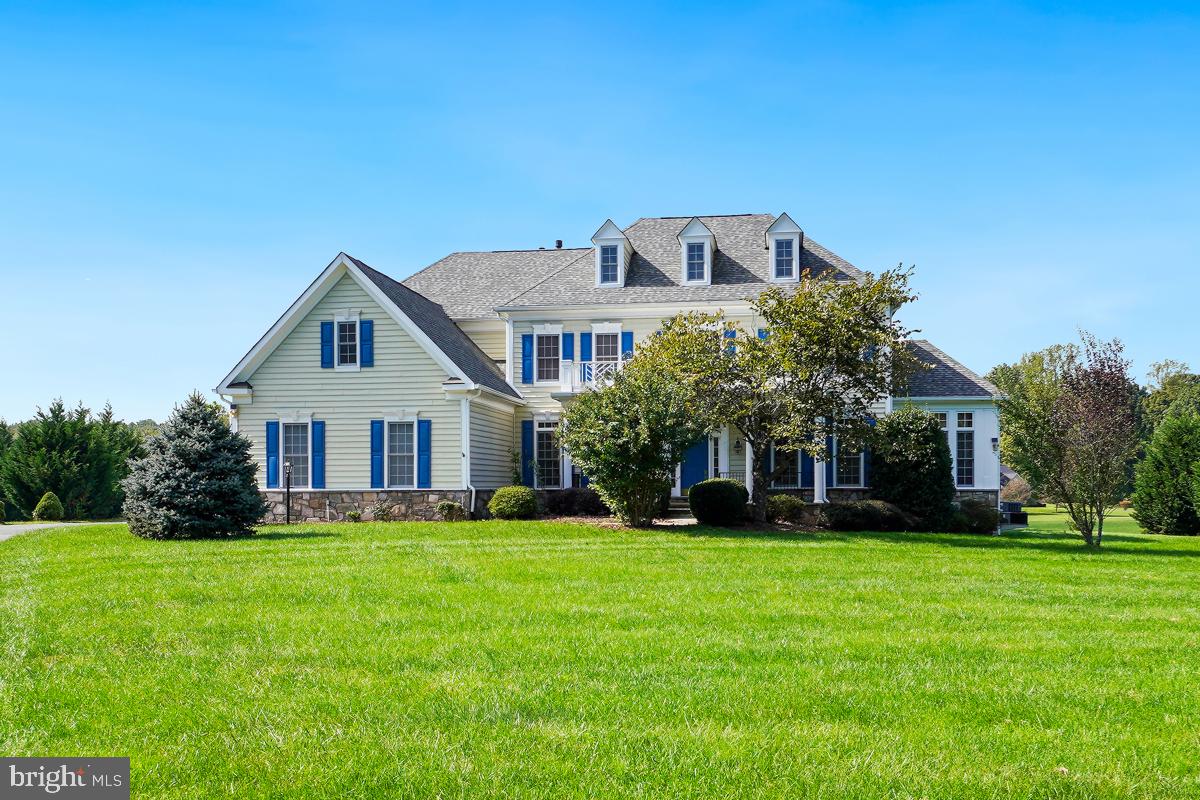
[785,507]
[868,515]
[718,501]
[576,502]
[451,511]
[48,508]
[513,502]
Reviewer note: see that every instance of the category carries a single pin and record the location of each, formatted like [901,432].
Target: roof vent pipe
[558,244]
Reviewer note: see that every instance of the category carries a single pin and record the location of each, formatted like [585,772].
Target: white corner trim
[465,439]
[509,345]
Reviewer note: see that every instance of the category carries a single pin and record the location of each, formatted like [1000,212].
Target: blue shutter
[828,462]
[318,454]
[806,470]
[527,452]
[376,454]
[568,346]
[585,346]
[424,471]
[762,334]
[273,454]
[626,344]
[770,459]
[366,343]
[730,335]
[526,358]
[326,345]
[866,457]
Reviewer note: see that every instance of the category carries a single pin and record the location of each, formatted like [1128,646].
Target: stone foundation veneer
[332,505]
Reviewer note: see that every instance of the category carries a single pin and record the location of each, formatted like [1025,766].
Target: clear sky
[172,176]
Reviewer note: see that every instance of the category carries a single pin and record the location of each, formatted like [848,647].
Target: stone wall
[990,496]
[332,506]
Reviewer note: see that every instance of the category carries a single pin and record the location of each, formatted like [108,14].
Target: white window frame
[297,418]
[387,441]
[862,463]
[547,331]
[799,456]
[704,242]
[543,422]
[616,281]
[775,239]
[340,317]
[953,436]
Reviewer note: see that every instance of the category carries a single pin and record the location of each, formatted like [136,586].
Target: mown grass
[553,660]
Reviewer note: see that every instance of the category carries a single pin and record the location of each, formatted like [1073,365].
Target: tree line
[80,457]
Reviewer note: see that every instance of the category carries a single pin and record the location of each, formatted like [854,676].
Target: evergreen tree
[911,466]
[113,445]
[7,509]
[1164,494]
[196,481]
[50,453]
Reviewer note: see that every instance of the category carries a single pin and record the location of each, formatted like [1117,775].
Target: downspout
[465,406]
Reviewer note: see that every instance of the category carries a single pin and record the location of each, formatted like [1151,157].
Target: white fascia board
[948,399]
[608,232]
[316,290]
[784,224]
[619,310]
[694,229]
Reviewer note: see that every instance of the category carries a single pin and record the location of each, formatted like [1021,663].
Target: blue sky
[174,175]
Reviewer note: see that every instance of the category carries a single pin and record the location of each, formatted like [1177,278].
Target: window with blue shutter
[376,454]
[568,346]
[527,452]
[585,346]
[273,454]
[318,454]
[730,335]
[424,453]
[626,344]
[327,344]
[366,343]
[526,358]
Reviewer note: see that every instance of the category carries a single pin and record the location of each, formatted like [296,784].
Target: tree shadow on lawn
[309,534]
[1012,540]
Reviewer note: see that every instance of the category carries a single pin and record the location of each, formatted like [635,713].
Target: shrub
[48,508]
[513,502]
[197,480]
[1163,484]
[1,511]
[910,465]
[354,515]
[785,507]
[1017,490]
[975,516]
[451,511]
[382,511]
[868,515]
[576,502]
[718,501]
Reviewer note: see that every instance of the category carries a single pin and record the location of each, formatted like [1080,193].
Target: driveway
[13,528]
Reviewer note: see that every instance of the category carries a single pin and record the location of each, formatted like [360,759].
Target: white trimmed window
[547,356]
[610,271]
[785,259]
[345,341]
[401,454]
[548,455]
[789,461]
[607,346]
[964,449]
[296,451]
[696,271]
[848,468]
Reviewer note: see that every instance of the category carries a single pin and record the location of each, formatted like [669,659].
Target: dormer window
[609,271]
[785,260]
[785,243]
[695,262]
[612,255]
[696,247]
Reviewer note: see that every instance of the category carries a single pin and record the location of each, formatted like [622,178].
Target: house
[450,384]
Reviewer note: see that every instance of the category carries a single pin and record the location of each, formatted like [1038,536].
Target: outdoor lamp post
[287,492]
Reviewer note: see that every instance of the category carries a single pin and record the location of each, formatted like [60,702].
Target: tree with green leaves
[1164,493]
[1171,385]
[627,438]
[196,481]
[53,452]
[911,465]
[1069,425]
[825,353]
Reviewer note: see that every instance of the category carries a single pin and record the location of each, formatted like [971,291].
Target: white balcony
[578,376]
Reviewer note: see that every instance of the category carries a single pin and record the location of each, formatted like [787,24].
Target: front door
[695,465]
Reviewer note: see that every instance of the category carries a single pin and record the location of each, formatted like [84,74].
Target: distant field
[553,660]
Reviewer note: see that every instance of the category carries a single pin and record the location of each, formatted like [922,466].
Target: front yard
[553,660]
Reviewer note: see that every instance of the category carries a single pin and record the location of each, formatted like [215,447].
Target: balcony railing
[580,375]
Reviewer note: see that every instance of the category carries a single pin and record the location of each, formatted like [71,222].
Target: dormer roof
[695,228]
[608,230]
[783,224]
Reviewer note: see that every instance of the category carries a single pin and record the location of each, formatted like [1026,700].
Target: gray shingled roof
[945,376]
[432,319]
[472,285]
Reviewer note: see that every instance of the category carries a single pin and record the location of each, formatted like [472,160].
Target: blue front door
[695,465]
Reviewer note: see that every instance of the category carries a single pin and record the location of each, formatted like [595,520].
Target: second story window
[695,261]
[547,356]
[608,346]
[785,258]
[608,264]
[347,344]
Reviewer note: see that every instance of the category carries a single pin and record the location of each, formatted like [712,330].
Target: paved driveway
[13,528]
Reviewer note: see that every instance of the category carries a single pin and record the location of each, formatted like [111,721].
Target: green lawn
[553,660]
